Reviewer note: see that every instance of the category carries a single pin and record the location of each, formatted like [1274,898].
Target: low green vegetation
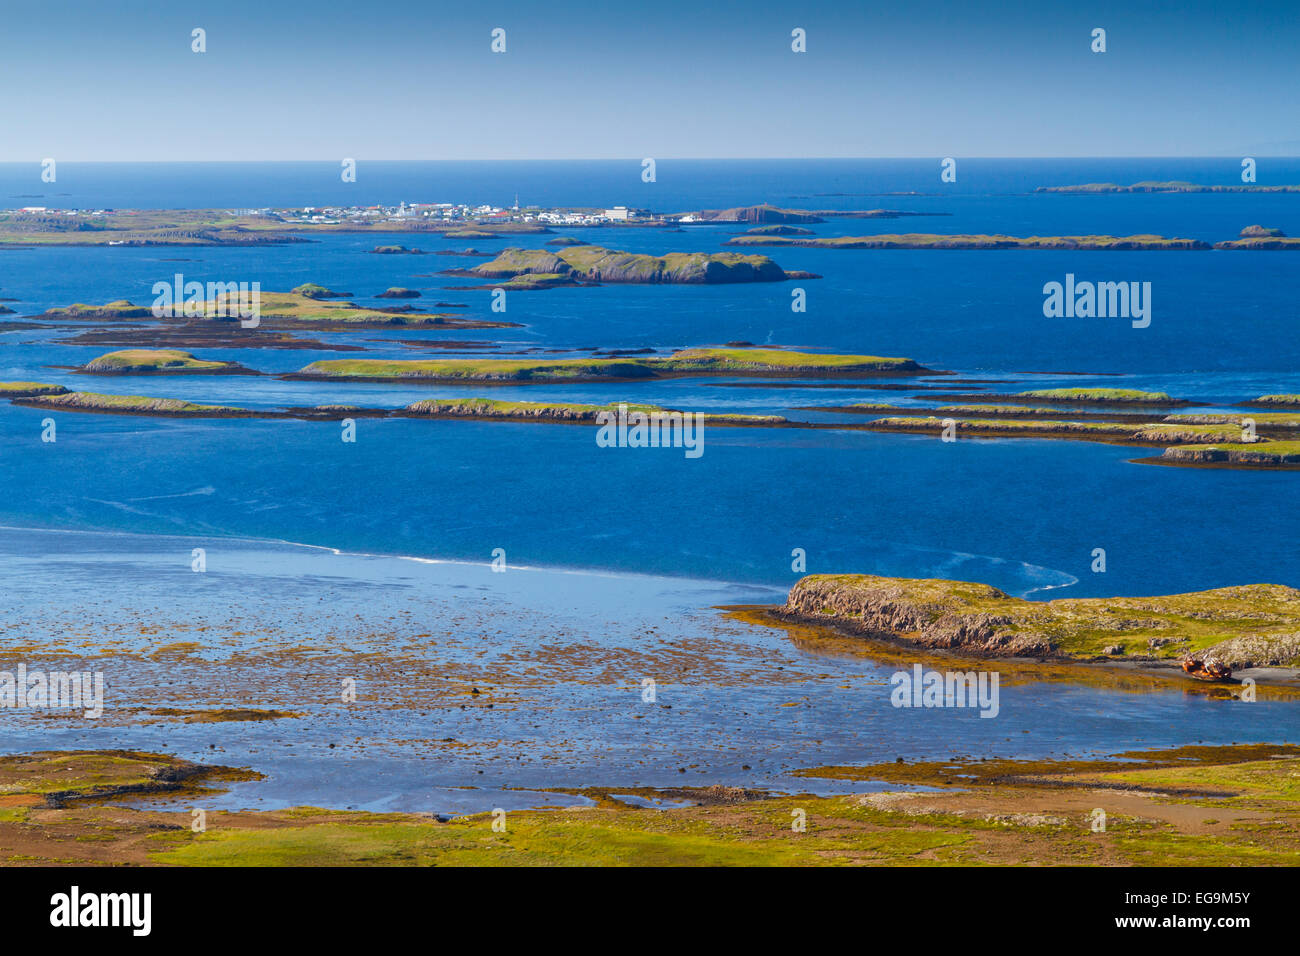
[1098,396]
[596,264]
[959,812]
[561,411]
[312,290]
[685,362]
[1155,433]
[280,308]
[1285,401]
[779,360]
[28,389]
[1273,453]
[486,370]
[119,309]
[1248,624]
[132,404]
[1275,420]
[153,360]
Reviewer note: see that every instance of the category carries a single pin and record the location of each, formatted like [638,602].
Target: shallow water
[561,656]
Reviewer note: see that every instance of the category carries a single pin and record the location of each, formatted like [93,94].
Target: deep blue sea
[1224,328]
[1022,515]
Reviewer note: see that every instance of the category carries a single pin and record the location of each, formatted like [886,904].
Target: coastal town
[422,212]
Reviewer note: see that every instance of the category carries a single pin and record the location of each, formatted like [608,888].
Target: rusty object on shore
[1208,669]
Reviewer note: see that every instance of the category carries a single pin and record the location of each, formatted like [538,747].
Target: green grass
[140,404]
[296,307]
[479,369]
[119,309]
[486,407]
[687,361]
[152,359]
[25,389]
[778,360]
[590,263]
[1258,453]
[1079,627]
[1154,433]
[559,411]
[1276,419]
[1098,395]
[313,290]
[1282,399]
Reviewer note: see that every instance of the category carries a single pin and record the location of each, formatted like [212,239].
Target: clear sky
[88,80]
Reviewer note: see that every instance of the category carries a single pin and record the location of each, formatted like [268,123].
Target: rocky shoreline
[1249,626]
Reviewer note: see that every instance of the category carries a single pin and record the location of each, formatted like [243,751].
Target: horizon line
[618,159]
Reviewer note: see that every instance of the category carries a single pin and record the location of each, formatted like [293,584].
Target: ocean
[1022,515]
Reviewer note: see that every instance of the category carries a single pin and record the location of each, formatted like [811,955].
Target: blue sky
[87,80]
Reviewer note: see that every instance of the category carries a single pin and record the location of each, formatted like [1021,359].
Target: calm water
[1021,515]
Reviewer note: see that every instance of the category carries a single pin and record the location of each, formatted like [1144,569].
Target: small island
[699,361]
[779,231]
[312,290]
[1153,433]
[1273,455]
[1260,237]
[116,310]
[919,240]
[1076,396]
[588,265]
[1169,186]
[568,413]
[29,389]
[1254,625]
[306,307]
[159,362]
[1275,401]
[133,405]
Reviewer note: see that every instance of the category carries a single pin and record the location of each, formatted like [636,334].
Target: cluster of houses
[441,211]
[458,212]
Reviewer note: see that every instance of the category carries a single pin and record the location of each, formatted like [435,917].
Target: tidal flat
[465,701]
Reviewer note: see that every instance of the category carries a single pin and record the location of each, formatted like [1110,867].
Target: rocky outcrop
[121,309]
[1262,232]
[1246,625]
[598,264]
[1259,454]
[310,290]
[778,231]
[760,213]
[1257,651]
[927,616]
[515,262]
